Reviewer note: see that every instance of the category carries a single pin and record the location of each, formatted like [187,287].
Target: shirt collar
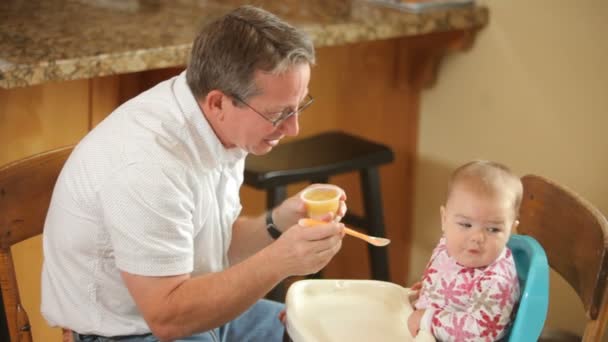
[209,141]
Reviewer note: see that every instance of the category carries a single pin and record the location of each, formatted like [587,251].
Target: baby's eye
[493,229]
[464,224]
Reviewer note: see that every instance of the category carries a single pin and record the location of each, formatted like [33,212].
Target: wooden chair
[25,192]
[574,235]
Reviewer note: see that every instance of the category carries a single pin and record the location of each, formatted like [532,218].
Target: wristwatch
[270,226]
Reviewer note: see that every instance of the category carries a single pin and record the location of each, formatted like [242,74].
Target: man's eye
[287,112]
[274,116]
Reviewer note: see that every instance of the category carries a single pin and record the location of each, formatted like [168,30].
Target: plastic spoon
[374,240]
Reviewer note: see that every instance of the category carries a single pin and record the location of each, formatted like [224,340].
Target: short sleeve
[147,210]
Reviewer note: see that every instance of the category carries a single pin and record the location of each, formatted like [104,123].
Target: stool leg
[372,200]
[319,180]
[274,197]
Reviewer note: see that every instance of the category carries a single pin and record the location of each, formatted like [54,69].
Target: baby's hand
[413,322]
[414,292]
[416,286]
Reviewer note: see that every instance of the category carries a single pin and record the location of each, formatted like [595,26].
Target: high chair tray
[327,310]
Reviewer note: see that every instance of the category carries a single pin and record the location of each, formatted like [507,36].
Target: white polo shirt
[150,191]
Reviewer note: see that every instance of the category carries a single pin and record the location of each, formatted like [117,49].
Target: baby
[470,286]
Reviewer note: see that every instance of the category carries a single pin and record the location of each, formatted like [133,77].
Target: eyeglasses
[276,118]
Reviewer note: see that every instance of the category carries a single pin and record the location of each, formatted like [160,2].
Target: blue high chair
[533,273]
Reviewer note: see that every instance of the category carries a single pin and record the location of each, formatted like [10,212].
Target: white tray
[347,310]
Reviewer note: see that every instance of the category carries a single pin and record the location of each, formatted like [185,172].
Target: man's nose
[291,125]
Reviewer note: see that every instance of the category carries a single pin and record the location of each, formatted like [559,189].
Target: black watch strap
[270,226]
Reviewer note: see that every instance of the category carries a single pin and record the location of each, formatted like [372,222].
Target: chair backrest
[574,235]
[25,192]
[533,274]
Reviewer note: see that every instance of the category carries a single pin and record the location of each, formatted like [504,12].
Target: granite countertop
[54,40]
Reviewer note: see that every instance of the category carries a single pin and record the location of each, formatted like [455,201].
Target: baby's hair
[489,177]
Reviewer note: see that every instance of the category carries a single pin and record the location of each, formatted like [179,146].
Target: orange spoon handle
[376,241]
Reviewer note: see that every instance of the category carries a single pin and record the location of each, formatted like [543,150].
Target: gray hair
[227,52]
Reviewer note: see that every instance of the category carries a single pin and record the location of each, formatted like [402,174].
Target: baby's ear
[515,224]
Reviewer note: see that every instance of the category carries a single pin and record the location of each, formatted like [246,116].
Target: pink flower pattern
[449,293]
[469,304]
[469,281]
[490,325]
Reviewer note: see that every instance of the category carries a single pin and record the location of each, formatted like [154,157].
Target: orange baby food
[321,194]
[321,200]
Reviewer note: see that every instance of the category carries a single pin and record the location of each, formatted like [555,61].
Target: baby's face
[476,226]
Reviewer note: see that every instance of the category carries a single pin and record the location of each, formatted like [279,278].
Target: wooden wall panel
[104,97]
[42,117]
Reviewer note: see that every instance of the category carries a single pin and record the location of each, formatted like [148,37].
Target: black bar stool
[315,159]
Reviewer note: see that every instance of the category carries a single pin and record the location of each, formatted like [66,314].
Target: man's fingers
[321,246]
[322,231]
[326,254]
[341,212]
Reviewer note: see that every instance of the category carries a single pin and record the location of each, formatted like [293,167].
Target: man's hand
[292,209]
[413,322]
[306,250]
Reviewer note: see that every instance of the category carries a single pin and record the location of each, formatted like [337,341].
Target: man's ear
[213,104]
